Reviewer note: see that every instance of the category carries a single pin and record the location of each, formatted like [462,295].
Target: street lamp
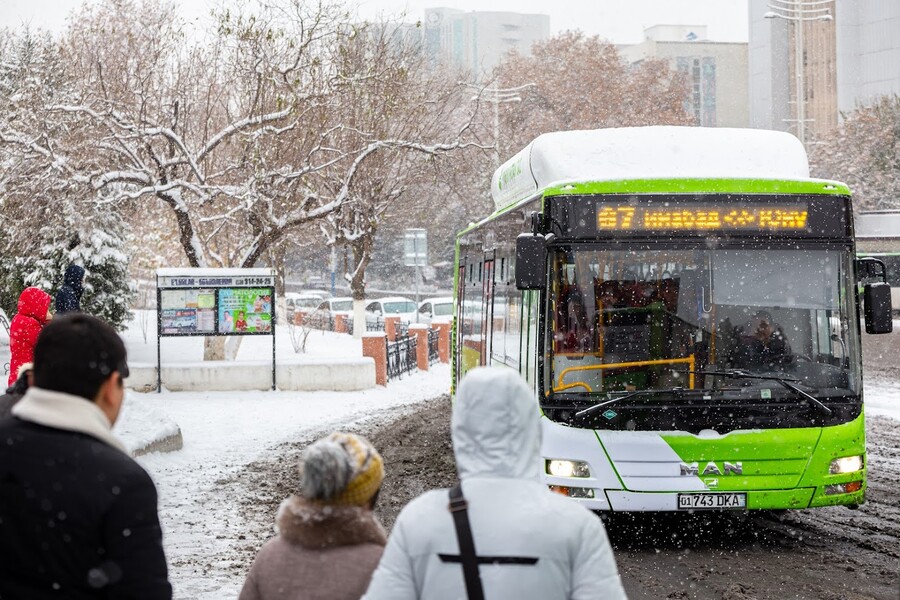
[799,11]
[496,96]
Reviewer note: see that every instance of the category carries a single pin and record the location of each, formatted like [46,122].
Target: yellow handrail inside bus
[569,386]
[626,365]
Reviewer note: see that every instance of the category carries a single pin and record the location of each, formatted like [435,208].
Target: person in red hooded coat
[34,312]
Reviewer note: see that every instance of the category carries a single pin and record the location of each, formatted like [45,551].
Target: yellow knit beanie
[342,468]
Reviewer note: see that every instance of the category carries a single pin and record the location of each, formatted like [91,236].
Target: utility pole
[496,96]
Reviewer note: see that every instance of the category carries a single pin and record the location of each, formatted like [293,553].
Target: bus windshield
[643,319]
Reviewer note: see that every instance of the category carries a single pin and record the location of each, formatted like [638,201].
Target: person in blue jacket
[68,298]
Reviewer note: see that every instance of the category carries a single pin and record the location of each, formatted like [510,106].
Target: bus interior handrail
[690,361]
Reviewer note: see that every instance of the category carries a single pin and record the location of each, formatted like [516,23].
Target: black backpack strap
[459,510]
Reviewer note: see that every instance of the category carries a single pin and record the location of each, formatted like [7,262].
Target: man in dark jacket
[78,517]
[68,298]
[15,392]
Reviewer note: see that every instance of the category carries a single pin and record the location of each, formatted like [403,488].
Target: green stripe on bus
[700,186]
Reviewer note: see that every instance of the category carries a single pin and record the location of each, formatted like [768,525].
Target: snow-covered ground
[882,397]
[225,431]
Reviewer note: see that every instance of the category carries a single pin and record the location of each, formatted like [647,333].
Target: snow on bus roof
[649,153]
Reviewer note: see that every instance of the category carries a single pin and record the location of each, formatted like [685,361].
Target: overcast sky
[621,21]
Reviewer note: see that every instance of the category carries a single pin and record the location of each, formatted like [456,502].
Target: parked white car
[327,309]
[303,301]
[392,306]
[435,309]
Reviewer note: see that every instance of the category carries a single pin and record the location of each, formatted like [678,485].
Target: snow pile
[142,427]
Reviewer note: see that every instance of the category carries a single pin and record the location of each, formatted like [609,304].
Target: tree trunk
[221,347]
[232,345]
[214,348]
[276,259]
[362,250]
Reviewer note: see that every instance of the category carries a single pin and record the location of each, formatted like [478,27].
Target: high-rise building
[774,81]
[476,41]
[715,71]
[868,51]
[848,60]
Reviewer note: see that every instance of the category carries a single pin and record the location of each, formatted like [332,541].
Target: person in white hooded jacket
[514,518]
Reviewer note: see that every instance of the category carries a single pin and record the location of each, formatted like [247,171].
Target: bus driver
[763,343]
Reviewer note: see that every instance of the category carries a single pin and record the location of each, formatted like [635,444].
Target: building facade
[477,41]
[868,51]
[848,60]
[715,71]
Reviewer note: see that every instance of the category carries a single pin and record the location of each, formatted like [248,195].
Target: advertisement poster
[245,310]
[186,312]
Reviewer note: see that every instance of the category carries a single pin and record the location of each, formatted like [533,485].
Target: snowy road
[829,553]
[223,432]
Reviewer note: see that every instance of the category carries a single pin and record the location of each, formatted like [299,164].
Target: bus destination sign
[699,217]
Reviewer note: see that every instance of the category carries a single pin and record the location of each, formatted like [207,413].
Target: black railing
[434,337]
[401,357]
[376,325]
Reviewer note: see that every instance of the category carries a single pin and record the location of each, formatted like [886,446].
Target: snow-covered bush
[96,244]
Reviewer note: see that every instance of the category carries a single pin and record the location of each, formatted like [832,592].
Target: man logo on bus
[712,468]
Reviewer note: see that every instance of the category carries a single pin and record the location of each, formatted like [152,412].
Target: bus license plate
[711,501]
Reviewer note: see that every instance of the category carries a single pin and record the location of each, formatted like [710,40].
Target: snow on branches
[236,138]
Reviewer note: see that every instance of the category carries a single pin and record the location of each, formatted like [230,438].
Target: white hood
[495,426]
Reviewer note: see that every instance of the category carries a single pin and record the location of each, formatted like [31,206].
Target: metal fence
[401,357]
[434,337]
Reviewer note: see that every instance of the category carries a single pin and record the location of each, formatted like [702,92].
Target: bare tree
[598,90]
[233,140]
[402,100]
[864,152]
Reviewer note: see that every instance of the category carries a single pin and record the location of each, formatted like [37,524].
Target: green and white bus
[683,302]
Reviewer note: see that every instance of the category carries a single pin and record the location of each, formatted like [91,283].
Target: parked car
[325,312]
[393,306]
[435,309]
[307,302]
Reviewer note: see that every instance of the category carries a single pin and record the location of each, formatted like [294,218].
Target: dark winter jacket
[68,298]
[326,552]
[25,327]
[13,394]
[78,517]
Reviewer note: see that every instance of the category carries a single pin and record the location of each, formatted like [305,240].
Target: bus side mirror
[531,261]
[877,307]
[876,296]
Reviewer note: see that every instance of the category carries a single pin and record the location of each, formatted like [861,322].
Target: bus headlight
[848,464]
[567,468]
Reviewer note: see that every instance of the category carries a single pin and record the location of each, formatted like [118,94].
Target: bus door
[459,330]
[487,306]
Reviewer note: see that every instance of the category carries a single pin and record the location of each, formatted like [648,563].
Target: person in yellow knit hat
[329,541]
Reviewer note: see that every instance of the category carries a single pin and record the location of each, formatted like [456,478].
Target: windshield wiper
[594,408]
[784,381]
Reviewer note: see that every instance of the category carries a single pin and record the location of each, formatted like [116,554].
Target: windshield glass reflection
[663,318]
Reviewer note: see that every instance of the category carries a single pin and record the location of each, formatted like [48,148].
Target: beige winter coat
[320,553]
